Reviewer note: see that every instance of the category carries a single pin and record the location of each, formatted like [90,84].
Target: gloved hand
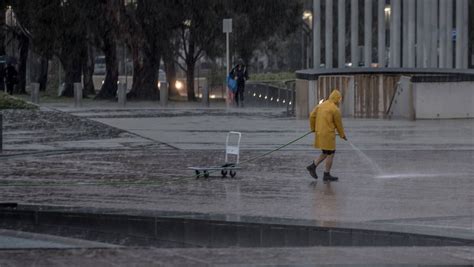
[345,138]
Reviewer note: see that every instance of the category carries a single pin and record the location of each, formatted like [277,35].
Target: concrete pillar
[328,33]
[341,36]
[35,92]
[301,100]
[449,33]
[164,93]
[434,33]
[427,33]
[459,34]
[205,96]
[122,94]
[411,33]
[355,33]
[1,132]
[312,85]
[443,33]
[367,33]
[465,44]
[77,95]
[395,34]
[419,34]
[405,33]
[381,32]
[316,33]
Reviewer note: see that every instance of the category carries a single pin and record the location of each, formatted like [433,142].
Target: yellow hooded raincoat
[324,120]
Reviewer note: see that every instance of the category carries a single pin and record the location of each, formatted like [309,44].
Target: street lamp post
[227,29]
[306,37]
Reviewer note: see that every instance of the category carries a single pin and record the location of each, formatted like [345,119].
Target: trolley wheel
[224,173]
[232,173]
[206,174]
[198,174]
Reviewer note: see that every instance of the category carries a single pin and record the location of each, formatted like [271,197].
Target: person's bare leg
[329,163]
[312,168]
[327,176]
[320,159]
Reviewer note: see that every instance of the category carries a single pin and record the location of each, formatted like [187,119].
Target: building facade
[391,33]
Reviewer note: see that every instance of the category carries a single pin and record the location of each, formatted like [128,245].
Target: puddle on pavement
[169,230]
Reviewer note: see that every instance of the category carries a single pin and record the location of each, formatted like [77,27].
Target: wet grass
[11,102]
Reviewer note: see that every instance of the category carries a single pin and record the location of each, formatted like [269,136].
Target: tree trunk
[39,71]
[2,31]
[88,71]
[190,64]
[43,78]
[109,88]
[72,68]
[23,45]
[2,43]
[2,49]
[170,69]
[145,75]
[190,80]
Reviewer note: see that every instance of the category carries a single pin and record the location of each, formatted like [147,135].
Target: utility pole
[227,29]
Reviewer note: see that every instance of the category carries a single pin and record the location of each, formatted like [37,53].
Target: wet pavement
[315,256]
[413,175]
[13,240]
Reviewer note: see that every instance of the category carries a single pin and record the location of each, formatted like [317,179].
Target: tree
[138,22]
[273,17]
[19,28]
[198,33]
[2,27]
[146,25]
[2,40]
[102,20]
[72,47]
[169,59]
[57,29]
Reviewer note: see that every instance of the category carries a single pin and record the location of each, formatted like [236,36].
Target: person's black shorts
[328,152]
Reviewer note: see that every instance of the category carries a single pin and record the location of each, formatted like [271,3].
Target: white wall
[312,87]
[444,100]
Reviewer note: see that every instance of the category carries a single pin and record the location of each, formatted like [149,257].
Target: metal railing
[260,94]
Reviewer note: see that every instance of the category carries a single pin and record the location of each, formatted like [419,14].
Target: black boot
[328,178]
[312,170]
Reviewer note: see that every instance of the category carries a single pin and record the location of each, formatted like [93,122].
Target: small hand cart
[229,166]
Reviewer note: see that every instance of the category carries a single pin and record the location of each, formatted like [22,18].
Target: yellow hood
[335,97]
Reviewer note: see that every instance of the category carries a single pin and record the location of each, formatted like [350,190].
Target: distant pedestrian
[324,120]
[232,88]
[11,77]
[240,74]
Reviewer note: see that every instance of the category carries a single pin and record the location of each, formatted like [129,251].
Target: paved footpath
[416,175]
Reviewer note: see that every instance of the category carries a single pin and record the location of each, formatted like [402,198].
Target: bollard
[1,132]
[35,93]
[77,95]
[164,94]
[122,94]
[205,96]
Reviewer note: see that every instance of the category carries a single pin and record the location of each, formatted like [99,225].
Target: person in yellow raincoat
[324,120]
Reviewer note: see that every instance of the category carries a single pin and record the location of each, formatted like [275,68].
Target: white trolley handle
[232,150]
